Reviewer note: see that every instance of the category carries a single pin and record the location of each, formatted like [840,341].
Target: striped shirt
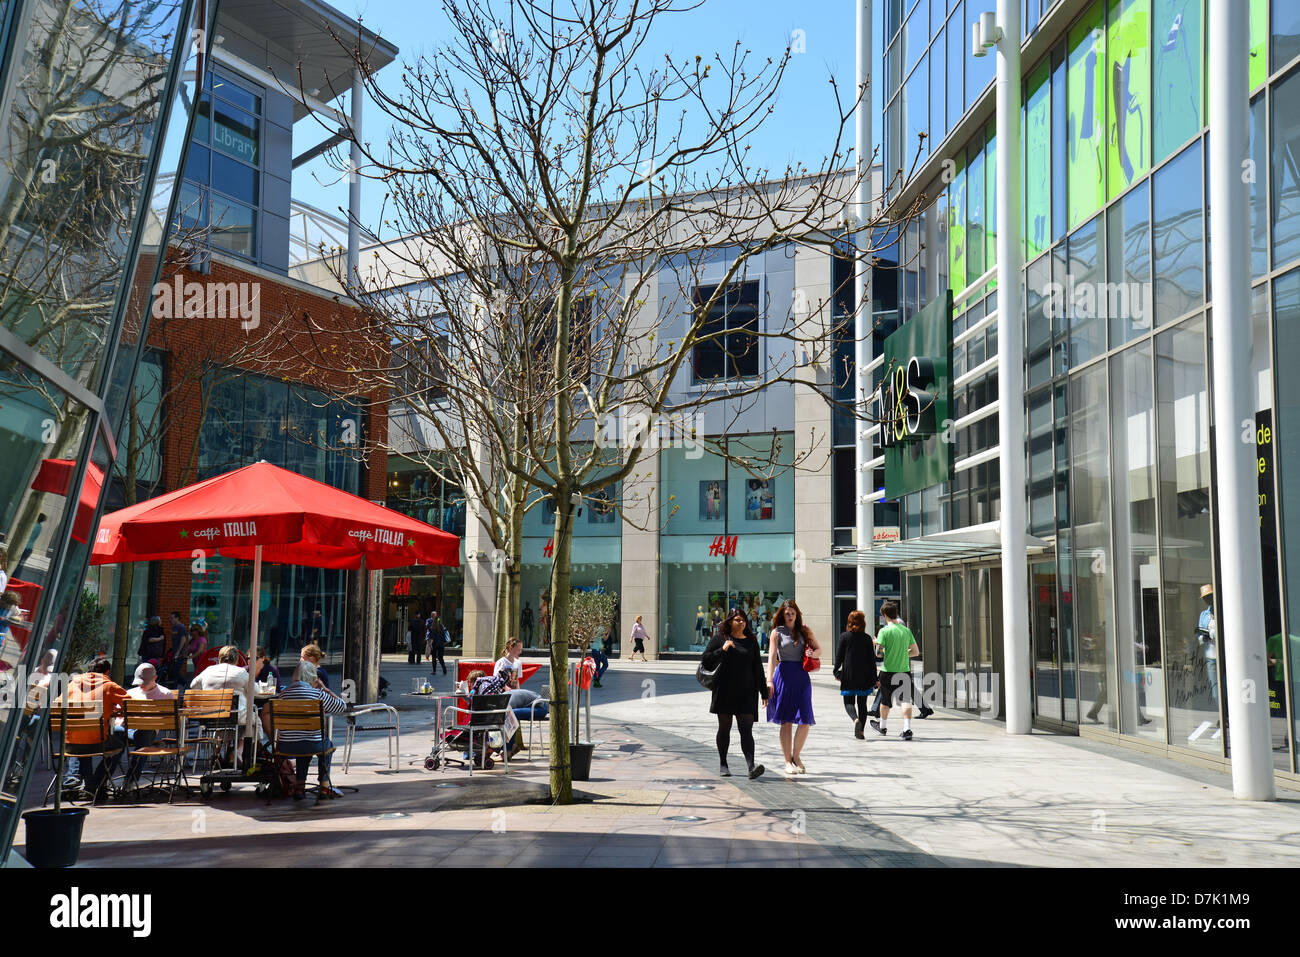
[301,691]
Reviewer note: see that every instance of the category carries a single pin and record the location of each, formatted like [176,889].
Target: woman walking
[855,666]
[639,635]
[733,651]
[790,703]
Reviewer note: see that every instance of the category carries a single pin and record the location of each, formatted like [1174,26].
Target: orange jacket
[90,688]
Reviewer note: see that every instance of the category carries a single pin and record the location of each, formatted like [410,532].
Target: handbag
[707,677]
[810,664]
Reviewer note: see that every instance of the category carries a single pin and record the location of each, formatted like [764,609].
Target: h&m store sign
[914,401]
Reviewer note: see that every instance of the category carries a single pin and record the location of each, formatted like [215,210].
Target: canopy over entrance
[974,543]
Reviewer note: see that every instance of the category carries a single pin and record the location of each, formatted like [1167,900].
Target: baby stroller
[465,727]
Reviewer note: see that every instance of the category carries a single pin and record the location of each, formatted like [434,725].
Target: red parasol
[267,513]
[55,475]
[293,519]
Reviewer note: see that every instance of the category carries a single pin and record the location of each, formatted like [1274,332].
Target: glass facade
[85,138]
[1118,314]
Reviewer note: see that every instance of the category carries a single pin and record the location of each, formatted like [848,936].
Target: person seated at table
[306,686]
[263,669]
[510,663]
[521,702]
[312,653]
[95,688]
[480,682]
[225,675]
[145,687]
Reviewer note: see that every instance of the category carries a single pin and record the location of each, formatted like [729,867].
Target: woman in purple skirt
[790,689]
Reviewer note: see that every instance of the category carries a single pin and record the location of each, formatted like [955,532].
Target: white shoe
[798,766]
[790,769]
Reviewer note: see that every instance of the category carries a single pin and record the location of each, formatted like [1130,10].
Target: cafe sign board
[914,401]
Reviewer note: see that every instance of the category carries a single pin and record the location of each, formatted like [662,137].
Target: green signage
[915,399]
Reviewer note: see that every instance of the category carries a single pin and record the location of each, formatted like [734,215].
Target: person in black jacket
[855,667]
[740,682]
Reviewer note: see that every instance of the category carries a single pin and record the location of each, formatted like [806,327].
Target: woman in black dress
[740,682]
[855,666]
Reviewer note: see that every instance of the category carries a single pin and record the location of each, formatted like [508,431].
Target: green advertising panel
[915,401]
[1128,94]
[1086,123]
[990,205]
[1258,42]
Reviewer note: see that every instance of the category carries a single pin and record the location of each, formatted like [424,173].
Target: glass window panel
[1038,171]
[1284,23]
[1086,122]
[1137,562]
[234,226]
[975,222]
[915,111]
[1258,42]
[938,94]
[1176,115]
[80,131]
[203,121]
[1061,141]
[1178,236]
[1041,302]
[234,179]
[742,325]
[196,164]
[916,34]
[1286,332]
[958,41]
[1286,173]
[1128,266]
[1258,190]
[957,229]
[1186,549]
[990,204]
[1128,94]
[239,95]
[1093,573]
[191,207]
[1080,285]
[1041,465]
[235,132]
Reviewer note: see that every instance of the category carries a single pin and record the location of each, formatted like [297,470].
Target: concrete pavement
[963,793]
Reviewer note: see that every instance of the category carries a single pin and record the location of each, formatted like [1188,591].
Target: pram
[464,726]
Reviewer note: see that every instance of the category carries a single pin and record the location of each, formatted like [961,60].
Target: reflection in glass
[1093,568]
[1178,236]
[1285,177]
[1186,549]
[1286,329]
[81,120]
[1137,565]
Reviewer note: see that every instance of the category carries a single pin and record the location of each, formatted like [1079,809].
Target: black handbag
[708,677]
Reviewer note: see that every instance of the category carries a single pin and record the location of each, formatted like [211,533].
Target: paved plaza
[963,793]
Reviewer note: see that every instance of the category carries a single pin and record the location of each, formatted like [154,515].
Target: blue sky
[799,131]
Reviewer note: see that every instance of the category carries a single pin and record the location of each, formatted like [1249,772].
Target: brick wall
[301,337]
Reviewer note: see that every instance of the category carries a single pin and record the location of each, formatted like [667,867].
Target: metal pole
[862,317]
[1011,376]
[1241,598]
[354,183]
[249,702]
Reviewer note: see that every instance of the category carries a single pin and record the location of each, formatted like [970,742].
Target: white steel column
[862,318]
[1011,377]
[1240,596]
[354,183]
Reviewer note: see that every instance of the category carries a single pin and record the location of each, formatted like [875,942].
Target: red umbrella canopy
[296,520]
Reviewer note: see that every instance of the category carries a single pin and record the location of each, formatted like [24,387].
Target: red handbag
[810,664]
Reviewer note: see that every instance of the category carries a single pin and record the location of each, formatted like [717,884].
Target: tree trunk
[561,772]
[126,578]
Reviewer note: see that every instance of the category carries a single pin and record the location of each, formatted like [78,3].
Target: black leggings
[746,723]
[857,706]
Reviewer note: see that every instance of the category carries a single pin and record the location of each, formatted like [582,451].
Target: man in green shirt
[899,646]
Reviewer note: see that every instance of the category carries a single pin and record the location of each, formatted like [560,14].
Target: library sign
[915,399]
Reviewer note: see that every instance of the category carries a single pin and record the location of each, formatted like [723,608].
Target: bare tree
[586,223]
